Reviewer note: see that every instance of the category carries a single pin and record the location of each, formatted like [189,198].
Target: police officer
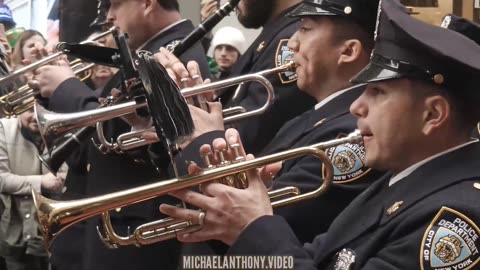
[469,29]
[333,44]
[326,60]
[150,25]
[269,50]
[415,116]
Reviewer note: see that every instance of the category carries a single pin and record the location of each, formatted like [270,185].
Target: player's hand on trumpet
[46,79]
[226,211]
[184,76]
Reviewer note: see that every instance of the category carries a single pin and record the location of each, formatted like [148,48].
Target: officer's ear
[437,112]
[150,6]
[350,51]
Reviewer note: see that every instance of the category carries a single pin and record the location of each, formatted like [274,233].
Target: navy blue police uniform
[427,220]
[329,120]
[322,123]
[268,51]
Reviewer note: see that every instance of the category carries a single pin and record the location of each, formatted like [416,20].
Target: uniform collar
[415,166]
[159,33]
[333,96]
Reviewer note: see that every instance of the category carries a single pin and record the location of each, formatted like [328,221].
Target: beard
[255,13]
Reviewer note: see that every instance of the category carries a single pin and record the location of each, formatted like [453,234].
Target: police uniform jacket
[112,172]
[328,122]
[427,220]
[351,177]
[268,51]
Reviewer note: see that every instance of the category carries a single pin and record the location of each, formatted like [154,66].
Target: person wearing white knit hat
[228,44]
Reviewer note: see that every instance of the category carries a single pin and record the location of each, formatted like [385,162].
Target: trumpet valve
[236,151]
[230,179]
[241,180]
[206,157]
[221,156]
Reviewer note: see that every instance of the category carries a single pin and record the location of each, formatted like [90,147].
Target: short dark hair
[169,4]
[465,109]
[349,29]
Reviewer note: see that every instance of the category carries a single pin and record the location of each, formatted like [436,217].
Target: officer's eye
[374,91]
[304,29]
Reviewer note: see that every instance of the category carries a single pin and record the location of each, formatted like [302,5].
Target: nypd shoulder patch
[347,160]
[450,242]
[283,56]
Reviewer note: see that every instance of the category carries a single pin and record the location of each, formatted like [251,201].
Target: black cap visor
[382,69]
[324,8]
[375,72]
[99,21]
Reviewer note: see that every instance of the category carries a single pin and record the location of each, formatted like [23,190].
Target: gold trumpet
[56,216]
[131,140]
[22,99]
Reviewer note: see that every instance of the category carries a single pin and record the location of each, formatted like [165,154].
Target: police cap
[362,11]
[462,26]
[408,48]
[102,11]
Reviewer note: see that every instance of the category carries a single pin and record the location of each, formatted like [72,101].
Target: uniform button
[118,210]
[27,216]
[28,236]
[88,167]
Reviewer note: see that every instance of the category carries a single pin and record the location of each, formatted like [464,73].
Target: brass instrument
[52,125]
[131,140]
[20,72]
[57,155]
[56,216]
[21,99]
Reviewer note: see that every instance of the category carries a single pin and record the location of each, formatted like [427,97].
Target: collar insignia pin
[319,122]
[261,46]
[476,185]
[394,208]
